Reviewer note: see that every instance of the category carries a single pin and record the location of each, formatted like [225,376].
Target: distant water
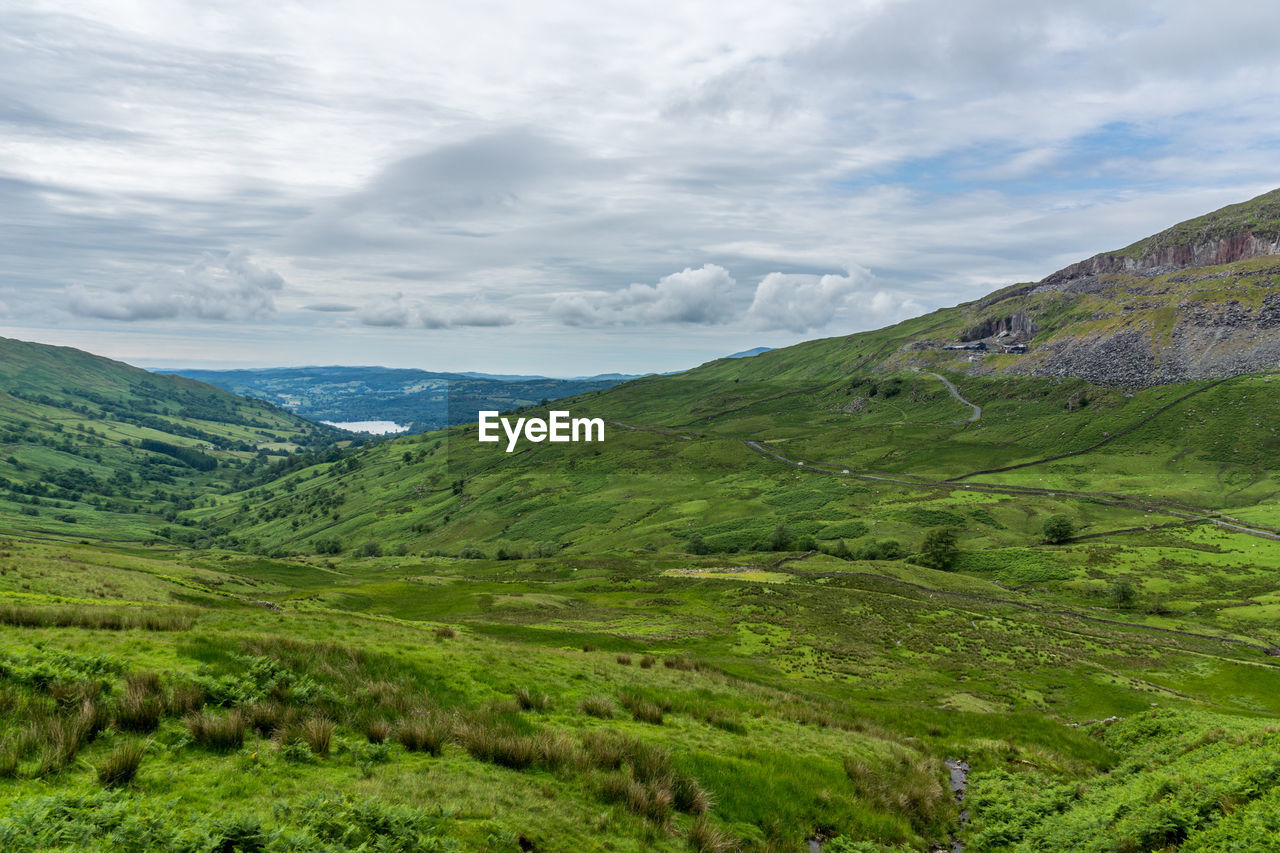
[374,427]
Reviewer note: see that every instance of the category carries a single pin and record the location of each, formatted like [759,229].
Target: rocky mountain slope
[1200,300]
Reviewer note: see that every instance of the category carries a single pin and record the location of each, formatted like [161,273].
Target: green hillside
[784,602]
[93,447]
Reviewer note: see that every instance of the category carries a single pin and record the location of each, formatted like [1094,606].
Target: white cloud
[216,287]
[702,296]
[805,303]
[952,147]
[399,312]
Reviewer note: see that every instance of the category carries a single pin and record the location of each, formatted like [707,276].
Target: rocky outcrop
[1227,250]
[1208,341]
[1018,324]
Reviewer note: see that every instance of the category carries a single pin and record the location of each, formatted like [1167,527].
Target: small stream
[959,771]
[959,783]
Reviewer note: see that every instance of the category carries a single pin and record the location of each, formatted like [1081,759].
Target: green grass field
[768,609]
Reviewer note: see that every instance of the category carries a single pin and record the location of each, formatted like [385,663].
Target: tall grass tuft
[377,731]
[597,706]
[93,618]
[218,732]
[425,733]
[532,700]
[649,800]
[704,837]
[142,705]
[623,660]
[643,710]
[121,766]
[317,732]
[908,785]
[185,698]
[647,661]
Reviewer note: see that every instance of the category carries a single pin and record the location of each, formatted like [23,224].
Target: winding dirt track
[977,410]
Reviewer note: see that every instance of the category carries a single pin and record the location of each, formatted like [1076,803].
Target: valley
[769,610]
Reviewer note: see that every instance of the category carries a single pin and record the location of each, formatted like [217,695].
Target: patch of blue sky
[1101,159]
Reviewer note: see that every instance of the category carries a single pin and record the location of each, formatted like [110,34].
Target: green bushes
[112,820]
[1058,529]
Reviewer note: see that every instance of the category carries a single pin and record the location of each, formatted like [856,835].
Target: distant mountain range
[417,399]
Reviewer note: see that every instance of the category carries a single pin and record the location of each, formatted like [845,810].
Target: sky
[570,188]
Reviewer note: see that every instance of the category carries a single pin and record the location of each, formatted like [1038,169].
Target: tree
[938,550]
[1124,595]
[696,545]
[779,539]
[1058,529]
[328,546]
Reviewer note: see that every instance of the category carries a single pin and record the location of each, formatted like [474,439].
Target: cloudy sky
[580,187]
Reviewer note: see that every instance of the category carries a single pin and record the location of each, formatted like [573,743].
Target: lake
[373,427]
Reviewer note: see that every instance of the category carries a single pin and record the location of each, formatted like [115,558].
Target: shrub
[680,663]
[647,661]
[328,546]
[218,732]
[1058,529]
[624,660]
[597,706]
[121,766]
[369,549]
[444,632]
[697,545]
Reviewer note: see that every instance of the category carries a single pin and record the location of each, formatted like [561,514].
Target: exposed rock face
[1208,341]
[1237,247]
[1018,324]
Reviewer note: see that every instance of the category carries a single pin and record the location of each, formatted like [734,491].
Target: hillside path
[977,410]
